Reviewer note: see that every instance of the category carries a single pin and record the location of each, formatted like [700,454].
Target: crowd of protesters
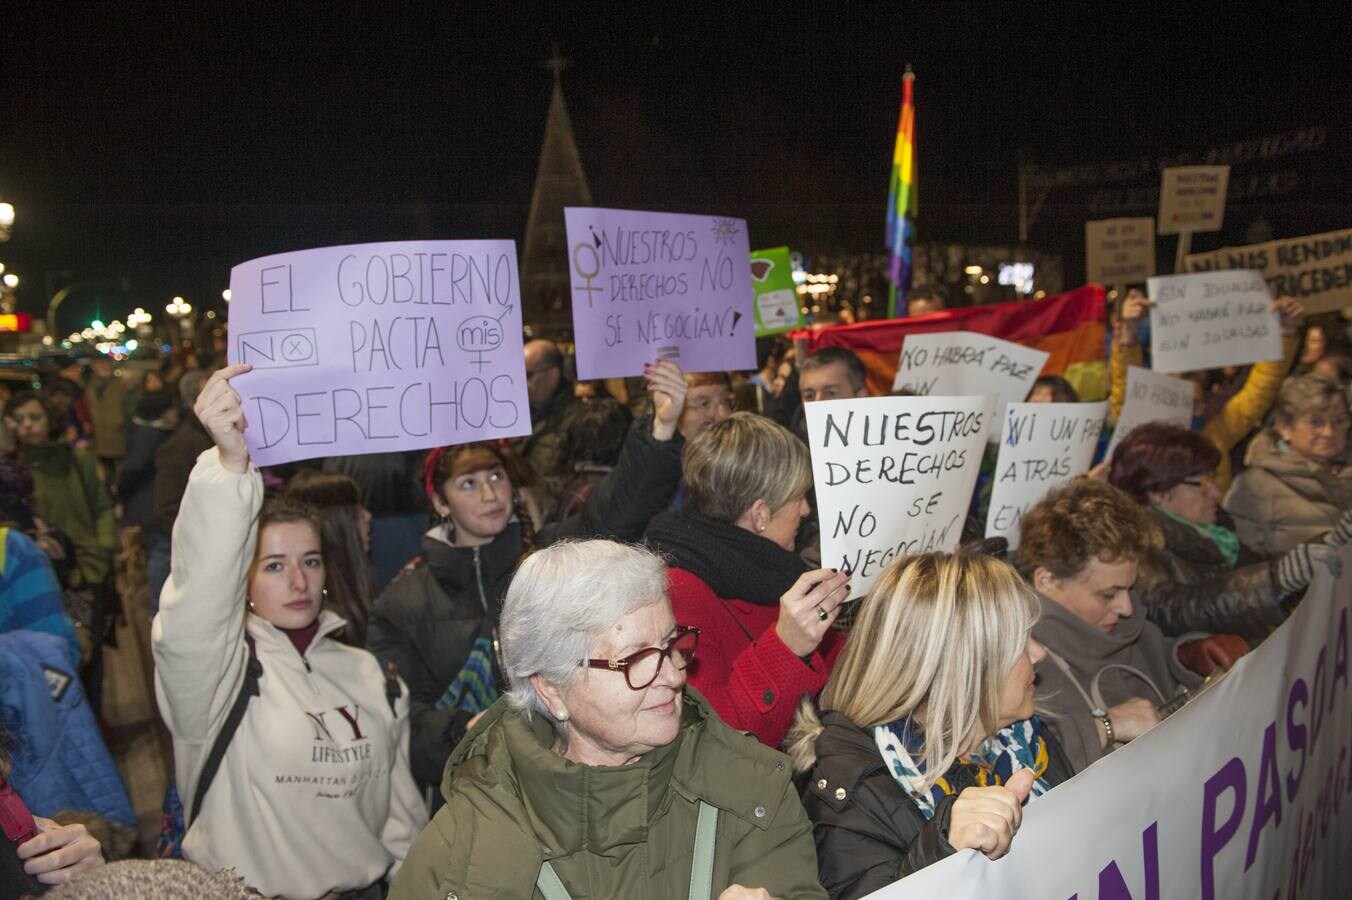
[607,658]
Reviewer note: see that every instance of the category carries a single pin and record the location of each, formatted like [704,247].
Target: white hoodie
[314,793]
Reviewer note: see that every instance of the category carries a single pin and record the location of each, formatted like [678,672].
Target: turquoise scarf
[1226,541]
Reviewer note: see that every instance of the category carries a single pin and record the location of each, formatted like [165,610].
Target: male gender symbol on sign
[481,334]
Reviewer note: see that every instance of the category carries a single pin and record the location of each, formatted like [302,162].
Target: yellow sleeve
[1244,412]
[1122,359]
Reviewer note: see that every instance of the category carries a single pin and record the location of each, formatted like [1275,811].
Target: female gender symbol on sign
[480,334]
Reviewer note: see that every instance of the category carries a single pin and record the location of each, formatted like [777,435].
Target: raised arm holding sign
[376,347]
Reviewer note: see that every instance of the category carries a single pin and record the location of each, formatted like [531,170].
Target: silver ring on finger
[823,614]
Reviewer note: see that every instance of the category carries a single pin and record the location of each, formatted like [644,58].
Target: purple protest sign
[367,348]
[653,284]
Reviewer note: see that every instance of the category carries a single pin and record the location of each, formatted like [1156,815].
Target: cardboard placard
[649,285]
[1316,269]
[1152,397]
[1119,251]
[1206,320]
[1042,445]
[368,348]
[777,308]
[894,476]
[1192,198]
[960,363]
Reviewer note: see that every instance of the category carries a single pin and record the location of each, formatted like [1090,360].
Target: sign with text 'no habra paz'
[650,285]
[368,348]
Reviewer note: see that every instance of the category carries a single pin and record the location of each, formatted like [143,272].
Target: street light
[11,280]
[6,220]
[225,295]
[181,311]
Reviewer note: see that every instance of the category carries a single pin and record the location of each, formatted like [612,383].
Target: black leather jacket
[869,833]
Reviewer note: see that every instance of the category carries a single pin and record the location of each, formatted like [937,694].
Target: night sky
[166,143]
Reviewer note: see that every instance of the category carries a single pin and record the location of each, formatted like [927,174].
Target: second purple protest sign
[649,285]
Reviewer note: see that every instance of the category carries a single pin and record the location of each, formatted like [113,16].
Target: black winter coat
[1186,586]
[869,833]
[426,621]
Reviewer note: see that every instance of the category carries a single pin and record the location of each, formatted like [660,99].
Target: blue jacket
[58,756]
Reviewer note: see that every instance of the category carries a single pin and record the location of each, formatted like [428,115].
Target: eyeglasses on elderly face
[642,667]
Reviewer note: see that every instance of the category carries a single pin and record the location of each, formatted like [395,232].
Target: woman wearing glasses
[765,617]
[1298,482]
[600,774]
[1204,578]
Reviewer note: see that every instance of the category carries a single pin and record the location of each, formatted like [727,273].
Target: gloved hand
[1293,570]
[1220,651]
[1342,532]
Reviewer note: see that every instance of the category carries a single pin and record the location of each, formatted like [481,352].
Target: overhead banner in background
[1042,445]
[777,308]
[894,476]
[649,285]
[1068,326]
[1192,198]
[1152,397]
[1244,794]
[368,348]
[1119,251]
[1207,320]
[1315,269]
[956,363]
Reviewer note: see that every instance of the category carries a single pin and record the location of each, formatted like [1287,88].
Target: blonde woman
[927,743]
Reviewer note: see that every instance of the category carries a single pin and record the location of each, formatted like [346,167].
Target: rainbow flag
[901,199]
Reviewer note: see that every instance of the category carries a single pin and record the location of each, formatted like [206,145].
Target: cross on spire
[556,64]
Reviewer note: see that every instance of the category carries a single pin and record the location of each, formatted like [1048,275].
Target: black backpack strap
[392,689]
[248,690]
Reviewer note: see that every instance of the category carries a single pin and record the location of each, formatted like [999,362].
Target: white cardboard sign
[1042,445]
[1192,198]
[963,363]
[1152,397]
[894,476]
[1119,251]
[1206,320]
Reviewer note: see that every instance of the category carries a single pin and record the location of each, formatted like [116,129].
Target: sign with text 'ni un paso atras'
[375,347]
[649,285]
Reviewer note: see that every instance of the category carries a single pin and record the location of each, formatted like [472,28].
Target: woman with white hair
[600,774]
[927,743]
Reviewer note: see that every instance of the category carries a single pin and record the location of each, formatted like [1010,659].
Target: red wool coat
[752,680]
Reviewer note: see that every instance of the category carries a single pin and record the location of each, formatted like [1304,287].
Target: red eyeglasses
[642,667]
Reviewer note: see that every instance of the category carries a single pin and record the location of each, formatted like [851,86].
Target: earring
[324,592]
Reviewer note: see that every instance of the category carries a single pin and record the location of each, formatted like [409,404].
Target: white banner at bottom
[1244,793]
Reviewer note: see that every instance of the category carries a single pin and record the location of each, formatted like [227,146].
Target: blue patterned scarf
[1014,747]
[474,688]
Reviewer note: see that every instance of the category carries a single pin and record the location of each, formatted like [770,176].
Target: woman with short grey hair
[766,619]
[1298,482]
[600,773]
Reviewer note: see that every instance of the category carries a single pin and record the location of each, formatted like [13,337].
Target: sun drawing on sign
[725,230]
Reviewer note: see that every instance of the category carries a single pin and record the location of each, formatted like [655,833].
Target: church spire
[559,182]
